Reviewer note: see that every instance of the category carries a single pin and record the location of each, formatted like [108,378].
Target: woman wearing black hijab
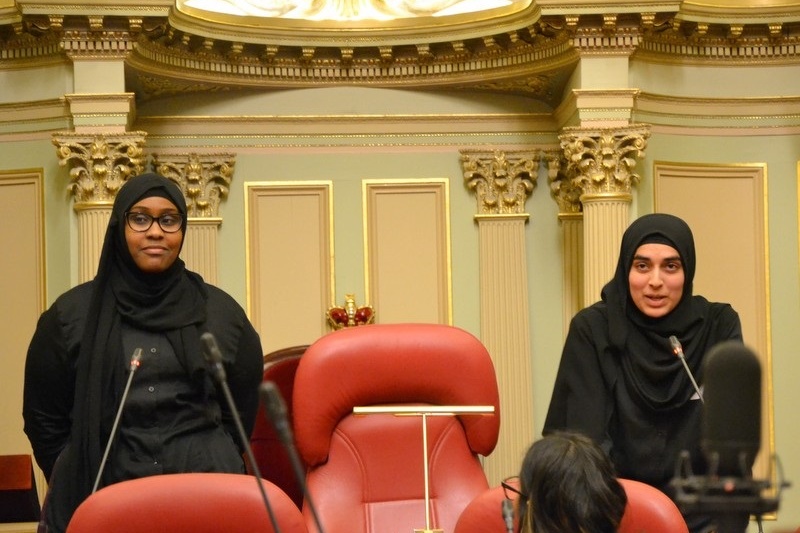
[80,356]
[619,381]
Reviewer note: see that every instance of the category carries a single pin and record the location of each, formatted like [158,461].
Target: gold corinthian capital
[502,180]
[99,163]
[600,162]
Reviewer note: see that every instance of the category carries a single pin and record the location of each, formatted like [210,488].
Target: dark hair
[568,485]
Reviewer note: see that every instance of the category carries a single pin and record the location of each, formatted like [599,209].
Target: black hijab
[650,368]
[171,302]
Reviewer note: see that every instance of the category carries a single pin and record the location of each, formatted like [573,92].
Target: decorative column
[502,182]
[570,217]
[205,181]
[99,165]
[100,152]
[600,163]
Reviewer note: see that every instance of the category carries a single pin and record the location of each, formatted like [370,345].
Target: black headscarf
[649,365]
[171,302]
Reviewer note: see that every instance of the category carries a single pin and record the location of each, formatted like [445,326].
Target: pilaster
[205,181]
[99,165]
[570,216]
[502,182]
[600,163]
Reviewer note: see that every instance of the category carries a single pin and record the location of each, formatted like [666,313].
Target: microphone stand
[275,408]
[214,358]
[136,360]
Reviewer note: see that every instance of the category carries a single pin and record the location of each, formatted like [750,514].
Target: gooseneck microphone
[678,351]
[213,357]
[276,411]
[136,360]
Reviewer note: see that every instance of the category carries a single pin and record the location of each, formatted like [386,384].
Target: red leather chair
[268,450]
[366,472]
[484,513]
[187,503]
[648,511]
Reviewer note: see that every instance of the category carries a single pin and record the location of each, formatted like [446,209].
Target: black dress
[619,381]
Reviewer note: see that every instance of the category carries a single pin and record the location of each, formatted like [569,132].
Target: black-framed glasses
[510,490]
[140,222]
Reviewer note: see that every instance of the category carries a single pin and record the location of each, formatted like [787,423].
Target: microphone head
[275,407]
[210,348]
[273,401]
[731,434]
[676,346]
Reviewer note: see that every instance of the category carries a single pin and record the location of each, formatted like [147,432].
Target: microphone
[213,357]
[730,440]
[678,350]
[508,514]
[732,424]
[136,360]
[276,411]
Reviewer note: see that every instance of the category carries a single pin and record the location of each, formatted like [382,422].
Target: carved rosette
[99,164]
[601,162]
[204,179]
[502,180]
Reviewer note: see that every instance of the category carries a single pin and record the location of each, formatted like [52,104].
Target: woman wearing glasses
[80,359]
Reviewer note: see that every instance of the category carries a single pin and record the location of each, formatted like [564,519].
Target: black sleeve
[48,391]
[580,400]
[243,358]
[244,375]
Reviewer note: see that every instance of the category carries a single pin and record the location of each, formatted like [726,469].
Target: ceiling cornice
[530,52]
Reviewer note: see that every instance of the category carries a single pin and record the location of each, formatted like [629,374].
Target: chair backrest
[484,514]
[187,503]
[366,472]
[269,452]
[648,511]
[19,500]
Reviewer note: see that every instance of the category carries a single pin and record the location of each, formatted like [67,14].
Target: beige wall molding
[407,257]
[502,180]
[290,260]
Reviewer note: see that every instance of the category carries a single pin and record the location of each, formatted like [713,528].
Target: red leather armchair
[366,472]
[186,503]
[648,511]
[268,450]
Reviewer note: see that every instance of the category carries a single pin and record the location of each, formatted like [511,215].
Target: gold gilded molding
[600,162]
[566,194]
[502,180]
[205,180]
[100,163]
[97,44]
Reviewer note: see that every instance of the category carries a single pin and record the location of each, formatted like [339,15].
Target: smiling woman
[348,9]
